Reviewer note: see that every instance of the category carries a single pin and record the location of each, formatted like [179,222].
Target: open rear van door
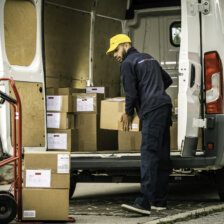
[21,58]
[190,78]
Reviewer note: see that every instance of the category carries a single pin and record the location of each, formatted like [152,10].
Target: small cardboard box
[59,103]
[111,112]
[63,91]
[60,120]
[129,141]
[102,89]
[47,169]
[87,102]
[91,137]
[45,204]
[62,139]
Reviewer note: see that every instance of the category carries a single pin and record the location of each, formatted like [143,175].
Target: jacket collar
[130,51]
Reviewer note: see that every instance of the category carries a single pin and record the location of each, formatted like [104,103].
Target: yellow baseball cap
[116,40]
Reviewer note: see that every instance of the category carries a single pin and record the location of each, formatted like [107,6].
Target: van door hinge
[203,7]
[199,123]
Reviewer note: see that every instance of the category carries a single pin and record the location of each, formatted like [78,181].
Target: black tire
[219,182]
[8,208]
[72,186]
[6,192]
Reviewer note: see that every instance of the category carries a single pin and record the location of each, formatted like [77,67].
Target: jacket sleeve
[130,87]
[166,79]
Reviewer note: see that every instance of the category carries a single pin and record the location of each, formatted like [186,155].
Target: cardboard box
[129,141]
[62,139]
[101,89]
[47,160]
[47,169]
[91,137]
[111,112]
[60,120]
[87,102]
[45,204]
[63,91]
[60,103]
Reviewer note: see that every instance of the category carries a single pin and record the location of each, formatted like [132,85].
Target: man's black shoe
[136,208]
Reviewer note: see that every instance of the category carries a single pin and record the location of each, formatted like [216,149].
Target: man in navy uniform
[144,83]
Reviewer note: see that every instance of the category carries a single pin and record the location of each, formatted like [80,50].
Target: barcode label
[29,213]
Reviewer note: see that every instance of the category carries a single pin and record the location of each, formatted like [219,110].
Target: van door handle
[192,76]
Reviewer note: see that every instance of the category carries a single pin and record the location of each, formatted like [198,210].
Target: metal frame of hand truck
[17,145]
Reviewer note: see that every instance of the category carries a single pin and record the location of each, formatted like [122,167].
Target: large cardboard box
[60,103]
[87,102]
[63,91]
[111,112]
[91,137]
[62,139]
[45,204]
[60,120]
[47,169]
[129,141]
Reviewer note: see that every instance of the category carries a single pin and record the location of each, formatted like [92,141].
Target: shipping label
[29,213]
[54,103]
[95,90]
[53,120]
[57,141]
[134,126]
[38,178]
[85,104]
[63,163]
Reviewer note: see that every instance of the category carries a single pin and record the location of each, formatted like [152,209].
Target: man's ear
[127,46]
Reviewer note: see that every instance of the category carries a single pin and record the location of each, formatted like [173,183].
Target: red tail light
[213,83]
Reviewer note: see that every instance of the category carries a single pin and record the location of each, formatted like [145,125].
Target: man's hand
[126,121]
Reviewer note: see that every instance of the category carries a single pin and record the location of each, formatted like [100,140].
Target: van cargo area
[55,50]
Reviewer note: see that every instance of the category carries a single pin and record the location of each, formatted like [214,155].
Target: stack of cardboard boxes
[73,120]
[90,136]
[46,186]
[111,112]
[61,105]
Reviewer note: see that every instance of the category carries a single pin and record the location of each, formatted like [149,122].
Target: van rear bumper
[130,162]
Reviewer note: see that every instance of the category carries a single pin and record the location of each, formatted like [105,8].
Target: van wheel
[219,182]
[72,186]
[8,208]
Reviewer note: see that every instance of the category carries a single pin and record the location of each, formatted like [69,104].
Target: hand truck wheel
[8,208]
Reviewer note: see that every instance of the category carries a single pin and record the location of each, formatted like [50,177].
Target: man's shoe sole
[136,210]
[158,208]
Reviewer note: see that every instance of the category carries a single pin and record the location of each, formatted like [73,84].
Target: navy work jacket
[144,83]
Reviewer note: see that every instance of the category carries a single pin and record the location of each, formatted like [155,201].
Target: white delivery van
[59,43]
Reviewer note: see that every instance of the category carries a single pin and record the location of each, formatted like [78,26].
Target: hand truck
[10,205]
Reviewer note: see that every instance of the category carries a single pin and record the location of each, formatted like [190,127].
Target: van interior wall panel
[33,114]
[151,34]
[66,46]
[112,8]
[105,69]
[20,31]
[85,5]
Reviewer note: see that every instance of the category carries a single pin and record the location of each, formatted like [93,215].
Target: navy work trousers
[155,157]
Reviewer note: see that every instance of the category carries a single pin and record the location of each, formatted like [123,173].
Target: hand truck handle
[6,97]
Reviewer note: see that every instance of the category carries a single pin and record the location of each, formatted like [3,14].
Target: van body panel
[32,73]
[190,77]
